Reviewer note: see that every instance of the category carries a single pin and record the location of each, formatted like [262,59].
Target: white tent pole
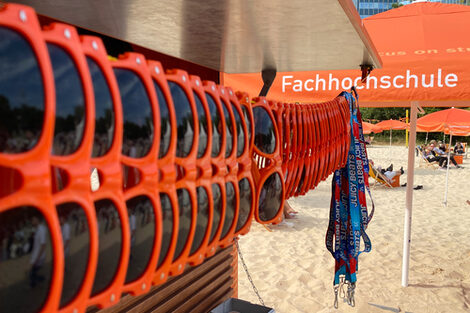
[390,137]
[426,142]
[447,172]
[409,195]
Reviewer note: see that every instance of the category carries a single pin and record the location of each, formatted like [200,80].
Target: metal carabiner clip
[335,288]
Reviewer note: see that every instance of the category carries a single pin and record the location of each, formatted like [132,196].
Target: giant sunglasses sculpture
[116,174]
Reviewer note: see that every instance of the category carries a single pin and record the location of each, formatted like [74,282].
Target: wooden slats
[198,289]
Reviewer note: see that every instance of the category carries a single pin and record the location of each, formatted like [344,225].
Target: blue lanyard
[348,209]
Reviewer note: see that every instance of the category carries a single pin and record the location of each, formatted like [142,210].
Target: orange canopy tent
[368,128]
[391,124]
[425,49]
[451,120]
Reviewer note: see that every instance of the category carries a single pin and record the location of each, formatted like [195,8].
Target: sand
[293,271]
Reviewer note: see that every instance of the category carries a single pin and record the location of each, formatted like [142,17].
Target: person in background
[443,157]
[458,148]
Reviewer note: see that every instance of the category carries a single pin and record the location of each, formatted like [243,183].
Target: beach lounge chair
[423,161]
[381,179]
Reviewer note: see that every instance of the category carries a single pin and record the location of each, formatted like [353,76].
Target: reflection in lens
[230,206]
[203,133]
[247,121]
[185,208]
[218,207]
[217,126]
[110,242]
[76,242]
[184,120]
[270,197]
[137,114]
[240,131]
[228,131]
[202,218]
[265,138]
[246,200]
[167,222]
[21,94]
[165,122]
[142,229]
[104,111]
[26,260]
[70,102]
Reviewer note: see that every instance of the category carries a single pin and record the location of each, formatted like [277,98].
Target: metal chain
[247,273]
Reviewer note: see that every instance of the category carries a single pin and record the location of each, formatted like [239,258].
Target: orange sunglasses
[28,220]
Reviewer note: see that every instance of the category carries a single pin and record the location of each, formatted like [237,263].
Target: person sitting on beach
[431,157]
[458,148]
[388,173]
[443,157]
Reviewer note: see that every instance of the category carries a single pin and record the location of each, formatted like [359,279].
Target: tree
[396,5]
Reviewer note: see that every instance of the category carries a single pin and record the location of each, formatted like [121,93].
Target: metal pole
[426,138]
[447,171]
[407,131]
[409,196]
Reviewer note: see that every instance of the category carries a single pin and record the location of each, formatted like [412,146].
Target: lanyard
[348,209]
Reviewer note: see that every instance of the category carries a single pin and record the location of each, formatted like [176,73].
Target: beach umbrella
[453,121]
[390,125]
[368,128]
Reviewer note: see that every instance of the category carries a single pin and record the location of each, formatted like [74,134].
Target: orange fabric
[368,128]
[453,120]
[425,49]
[391,124]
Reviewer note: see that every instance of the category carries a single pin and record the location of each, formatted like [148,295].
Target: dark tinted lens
[70,102]
[265,138]
[240,131]
[228,131]
[218,205]
[137,114]
[110,242]
[21,94]
[104,111]
[216,126]
[246,200]
[167,231]
[165,122]
[247,121]
[76,241]
[142,229]
[202,143]
[230,205]
[185,207]
[25,260]
[270,198]
[202,218]
[184,120]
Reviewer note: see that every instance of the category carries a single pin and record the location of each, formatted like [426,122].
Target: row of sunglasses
[179,166]
[314,142]
[170,160]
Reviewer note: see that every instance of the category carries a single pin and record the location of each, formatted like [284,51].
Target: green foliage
[396,5]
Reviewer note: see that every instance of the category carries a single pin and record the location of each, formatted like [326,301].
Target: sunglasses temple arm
[268,75]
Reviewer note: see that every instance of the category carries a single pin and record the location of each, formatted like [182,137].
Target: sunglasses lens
[76,240]
[270,198]
[167,222]
[70,102]
[217,198]
[230,205]
[185,208]
[104,111]
[228,131]
[165,122]
[247,121]
[184,120]
[110,242]
[246,199]
[216,126]
[21,94]
[240,131]
[265,138]
[201,149]
[142,229]
[202,218]
[25,260]
[137,114]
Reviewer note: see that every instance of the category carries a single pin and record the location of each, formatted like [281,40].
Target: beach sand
[293,270]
